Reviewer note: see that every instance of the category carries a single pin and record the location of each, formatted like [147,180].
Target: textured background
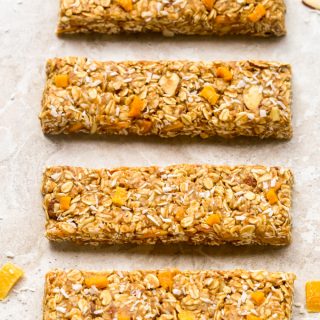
[28,39]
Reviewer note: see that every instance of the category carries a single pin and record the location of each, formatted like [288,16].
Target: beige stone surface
[28,39]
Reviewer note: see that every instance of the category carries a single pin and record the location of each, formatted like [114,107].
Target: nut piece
[170,84]
[151,281]
[105,297]
[187,222]
[252,97]
[9,276]
[66,187]
[275,114]
[126,5]
[313,4]
[313,296]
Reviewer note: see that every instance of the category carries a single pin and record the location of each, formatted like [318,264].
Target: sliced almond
[169,84]
[313,4]
[252,97]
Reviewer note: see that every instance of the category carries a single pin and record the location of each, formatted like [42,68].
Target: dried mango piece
[180,213]
[210,94]
[222,19]
[61,80]
[9,276]
[186,315]
[213,219]
[166,279]
[272,196]
[258,297]
[252,317]
[313,296]
[65,203]
[258,13]
[119,197]
[144,125]
[136,107]
[208,4]
[126,5]
[174,127]
[76,127]
[99,282]
[224,73]
[124,315]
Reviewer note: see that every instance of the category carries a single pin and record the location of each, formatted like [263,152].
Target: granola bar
[167,98]
[197,204]
[168,295]
[190,17]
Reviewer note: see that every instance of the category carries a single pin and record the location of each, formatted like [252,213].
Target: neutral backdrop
[27,34]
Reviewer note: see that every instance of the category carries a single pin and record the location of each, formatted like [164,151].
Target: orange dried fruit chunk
[65,203]
[224,73]
[258,13]
[174,127]
[166,279]
[208,4]
[61,80]
[186,315]
[210,94]
[252,317]
[313,296]
[136,107]
[9,276]
[76,127]
[258,297]
[222,19]
[180,213]
[126,5]
[99,282]
[272,196]
[213,219]
[119,197]
[145,126]
[124,315]
[123,125]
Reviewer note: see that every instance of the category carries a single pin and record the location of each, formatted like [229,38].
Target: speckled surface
[28,39]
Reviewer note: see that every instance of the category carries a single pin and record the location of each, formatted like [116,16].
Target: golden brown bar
[168,295]
[196,204]
[167,98]
[189,17]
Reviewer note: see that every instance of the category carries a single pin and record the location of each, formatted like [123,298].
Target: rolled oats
[198,295]
[198,204]
[200,17]
[168,98]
